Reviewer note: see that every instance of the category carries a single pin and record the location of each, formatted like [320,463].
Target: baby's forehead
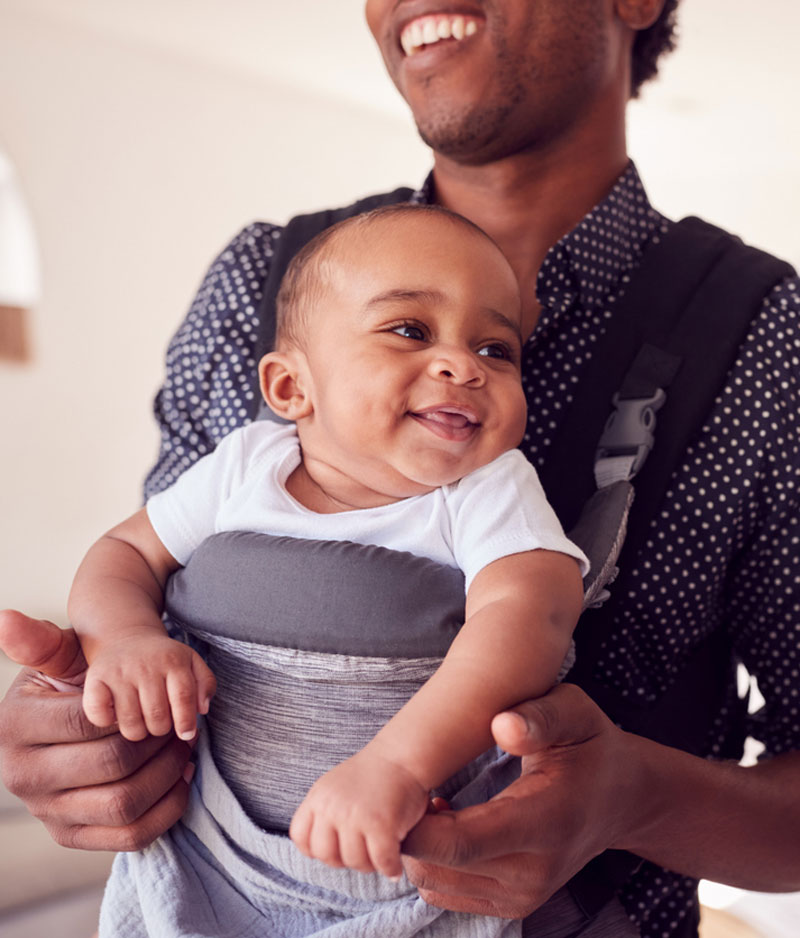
[428,240]
[368,274]
[385,231]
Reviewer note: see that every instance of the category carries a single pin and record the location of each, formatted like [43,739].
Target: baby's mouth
[457,423]
[430,29]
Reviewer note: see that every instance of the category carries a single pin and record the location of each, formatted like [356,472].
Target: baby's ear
[283,384]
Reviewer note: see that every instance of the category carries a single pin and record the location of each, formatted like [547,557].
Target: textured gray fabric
[283,717]
[281,590]
[217,874]
[599,532]
[285,713]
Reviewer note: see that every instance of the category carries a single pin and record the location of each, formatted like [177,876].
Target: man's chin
[471,139]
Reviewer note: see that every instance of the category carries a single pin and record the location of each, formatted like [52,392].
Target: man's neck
[528,201]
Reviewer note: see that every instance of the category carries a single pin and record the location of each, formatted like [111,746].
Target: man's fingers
[563,717]
[508,891]
[475,835]
[66,771]
[39,644]
[34,713]
[136,835]
[123,798]
[98,703]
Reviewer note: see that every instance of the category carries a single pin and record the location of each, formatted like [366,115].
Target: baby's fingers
[353,850]
[384,854]
[324,842]
[206,683]
[98,702]
[300,829]
[182,691]
[129,712]
[155,705]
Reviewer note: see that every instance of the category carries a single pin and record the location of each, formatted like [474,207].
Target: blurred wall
[147,132]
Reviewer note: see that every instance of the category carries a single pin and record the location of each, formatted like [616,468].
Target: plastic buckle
[629,430]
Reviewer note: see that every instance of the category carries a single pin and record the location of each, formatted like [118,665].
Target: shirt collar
[592,259]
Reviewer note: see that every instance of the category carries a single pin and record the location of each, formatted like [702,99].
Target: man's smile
[432,28]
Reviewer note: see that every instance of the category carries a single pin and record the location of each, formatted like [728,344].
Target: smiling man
[523,103]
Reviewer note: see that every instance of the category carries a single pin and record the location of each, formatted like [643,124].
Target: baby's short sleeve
[501,509]
[186,513]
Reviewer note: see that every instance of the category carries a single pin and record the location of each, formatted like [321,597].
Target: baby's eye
[496,350]
[409,331]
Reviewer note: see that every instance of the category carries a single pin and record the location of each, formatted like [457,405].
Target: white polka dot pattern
[723,551]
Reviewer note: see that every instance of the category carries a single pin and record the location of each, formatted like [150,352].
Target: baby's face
[414,357]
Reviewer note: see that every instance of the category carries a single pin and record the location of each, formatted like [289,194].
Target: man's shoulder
[255,236]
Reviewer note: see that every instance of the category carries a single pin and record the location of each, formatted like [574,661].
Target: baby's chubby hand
[147,684]
[358,814]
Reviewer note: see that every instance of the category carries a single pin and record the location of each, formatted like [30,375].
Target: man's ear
[639,14]
[281,376]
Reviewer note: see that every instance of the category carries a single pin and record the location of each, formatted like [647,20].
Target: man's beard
[473,136]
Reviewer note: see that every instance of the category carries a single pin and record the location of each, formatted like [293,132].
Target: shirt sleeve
[501,510]
[186,514]
[210,382]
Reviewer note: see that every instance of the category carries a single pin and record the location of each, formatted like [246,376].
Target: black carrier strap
[677,328]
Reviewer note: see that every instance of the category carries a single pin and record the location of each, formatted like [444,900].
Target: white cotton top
[494,512]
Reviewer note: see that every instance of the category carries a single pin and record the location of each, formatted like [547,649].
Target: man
[524,106]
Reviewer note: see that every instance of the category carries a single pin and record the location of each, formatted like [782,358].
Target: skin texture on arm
[507,857]
[520,614]
[138,677]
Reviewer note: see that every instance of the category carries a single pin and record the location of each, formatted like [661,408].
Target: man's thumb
[564,716]
[39,644]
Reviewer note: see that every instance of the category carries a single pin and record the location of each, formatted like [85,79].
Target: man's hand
[90,787]
[508,856]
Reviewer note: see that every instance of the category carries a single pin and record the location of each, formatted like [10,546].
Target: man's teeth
[428,30]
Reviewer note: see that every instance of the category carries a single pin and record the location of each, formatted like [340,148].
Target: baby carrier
[699,288]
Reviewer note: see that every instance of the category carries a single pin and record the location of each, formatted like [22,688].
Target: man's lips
[448,422]
[432,28]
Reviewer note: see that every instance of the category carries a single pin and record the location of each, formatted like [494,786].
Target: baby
[397,364]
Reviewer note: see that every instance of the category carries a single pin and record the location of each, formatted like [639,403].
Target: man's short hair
[652,43]
[304,284]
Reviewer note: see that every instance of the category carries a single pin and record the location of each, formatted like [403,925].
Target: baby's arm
[521,611]
[138,677]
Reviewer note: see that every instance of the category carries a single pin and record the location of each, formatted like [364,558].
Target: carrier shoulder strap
[679,324]
[676,330]
[295,235]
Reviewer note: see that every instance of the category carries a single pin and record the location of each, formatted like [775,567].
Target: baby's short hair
[303,284]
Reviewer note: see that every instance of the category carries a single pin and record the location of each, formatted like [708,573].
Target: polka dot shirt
[723,551]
